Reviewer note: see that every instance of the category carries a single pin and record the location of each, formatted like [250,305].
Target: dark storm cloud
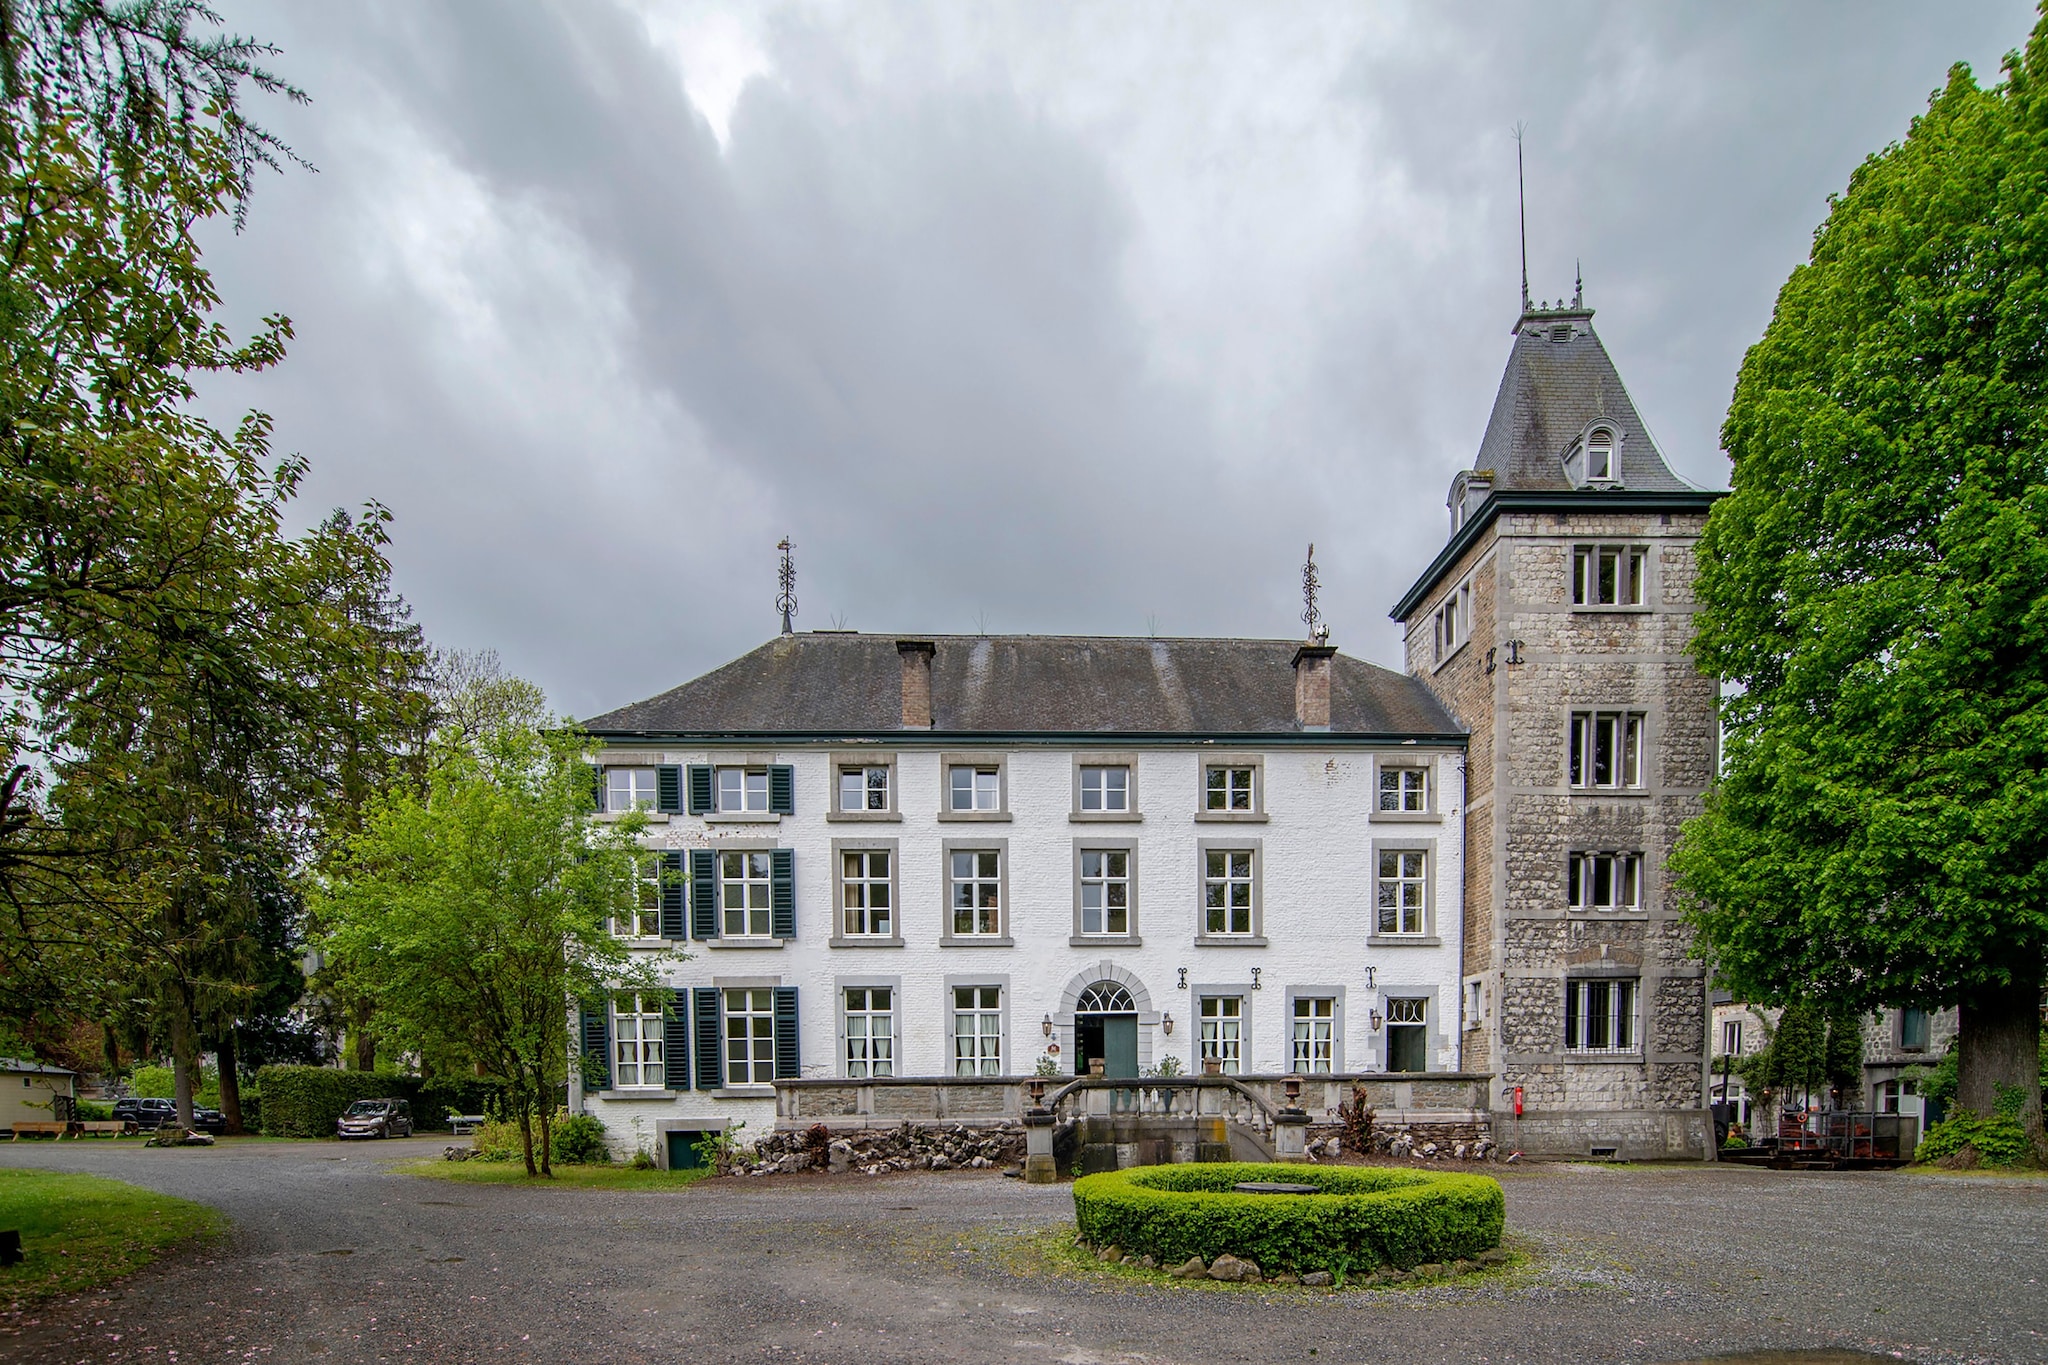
[1062,320]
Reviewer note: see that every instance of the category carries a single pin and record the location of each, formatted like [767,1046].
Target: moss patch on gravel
[80,1231]
[565,1177]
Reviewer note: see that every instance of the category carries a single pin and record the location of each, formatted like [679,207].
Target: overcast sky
[1047,318]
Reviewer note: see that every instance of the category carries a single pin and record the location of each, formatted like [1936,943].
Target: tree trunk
[230,1082]
[184,1061]
[547,1132]
[1998,1033]
[361,1041]
[526,1137]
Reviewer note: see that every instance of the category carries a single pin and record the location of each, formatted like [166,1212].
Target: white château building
[984,855]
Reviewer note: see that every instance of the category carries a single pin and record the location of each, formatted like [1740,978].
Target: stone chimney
[917,682]
[1312,686]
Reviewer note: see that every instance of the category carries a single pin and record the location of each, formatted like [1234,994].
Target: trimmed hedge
[1368,1216]
[305,1101]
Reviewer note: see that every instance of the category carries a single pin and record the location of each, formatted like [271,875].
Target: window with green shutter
[710,1040]
[674,887]
[703,893]
[675,1029]
[782,789]
[788,1054]
[668,789]
[700,788]
[597,1045]
[782,893]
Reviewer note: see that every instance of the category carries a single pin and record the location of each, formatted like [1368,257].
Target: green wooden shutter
[674,919]
[597,1045]
[782,790]
[703,893]
[700,789]
[788,1057]
[668,789]
[597,786]
[710,1042]
[675,1041]
[782,893]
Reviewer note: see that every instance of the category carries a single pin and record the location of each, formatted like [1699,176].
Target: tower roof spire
[1522,214]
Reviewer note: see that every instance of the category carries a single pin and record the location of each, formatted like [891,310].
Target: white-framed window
[1454,621]
[1404,791]
[1889,1093]
[1226,891]
[864,884]
[971,787]
[1731,1037]
[976,878]
[1606,749]
[643,920]
[1600,456]
[742,791]
[1600,1014]
[1105,789]
[744,889]
[637,1039]
[870,1031]
[1608,575]
[1228,788]
[977,1030]
[629,789]
[1315,1032]
[1105,891]
[1604,881]
[864,788]
[1223,1032]
[749,1037]
[1403,891]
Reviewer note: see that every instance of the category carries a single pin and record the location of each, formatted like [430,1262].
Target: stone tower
[1554,625]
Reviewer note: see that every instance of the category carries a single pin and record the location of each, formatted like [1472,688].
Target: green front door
[1120,1047]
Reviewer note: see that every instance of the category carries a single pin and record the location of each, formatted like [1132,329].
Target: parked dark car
[375,1118]
[144,1112]
[147,1112]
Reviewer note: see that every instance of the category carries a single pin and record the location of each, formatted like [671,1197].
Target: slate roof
[1551,391]
[843,683]
[18,1066]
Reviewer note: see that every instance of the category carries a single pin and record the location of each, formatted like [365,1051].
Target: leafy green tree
[1877,585]
[186,694]
[474,912]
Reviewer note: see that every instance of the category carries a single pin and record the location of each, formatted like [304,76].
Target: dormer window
[1600,456]
[1592,458]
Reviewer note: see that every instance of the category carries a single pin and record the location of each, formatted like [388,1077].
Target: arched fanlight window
[1600,455]
[1105,997]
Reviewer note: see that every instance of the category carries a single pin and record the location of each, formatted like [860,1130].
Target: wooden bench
[105,1128]
[53,1130]
[460,1124]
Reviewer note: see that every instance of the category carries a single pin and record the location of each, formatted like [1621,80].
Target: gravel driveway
[335,1258]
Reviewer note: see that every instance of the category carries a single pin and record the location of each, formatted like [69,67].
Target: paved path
[337,1259]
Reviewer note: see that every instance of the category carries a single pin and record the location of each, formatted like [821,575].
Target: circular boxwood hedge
[1367,1216]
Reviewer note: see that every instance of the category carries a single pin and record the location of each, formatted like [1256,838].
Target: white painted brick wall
[1317,891]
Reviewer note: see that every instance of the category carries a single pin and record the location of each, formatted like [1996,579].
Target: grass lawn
[566,1177]
[78,1231]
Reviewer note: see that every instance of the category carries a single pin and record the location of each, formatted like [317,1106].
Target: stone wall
[873,1151]
[1523,940]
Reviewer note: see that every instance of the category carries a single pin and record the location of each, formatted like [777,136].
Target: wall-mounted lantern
[1166,1022]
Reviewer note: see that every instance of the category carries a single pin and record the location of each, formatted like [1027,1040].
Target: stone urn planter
[1212,1066]
[1096,1066]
